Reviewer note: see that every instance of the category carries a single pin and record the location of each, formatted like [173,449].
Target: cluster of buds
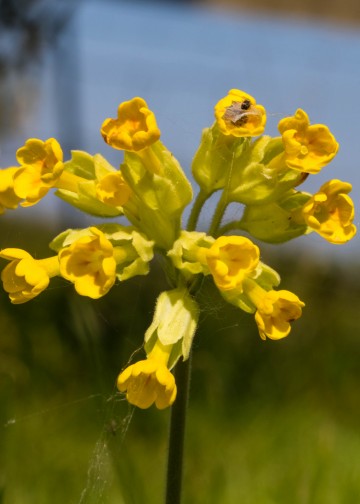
[151,191]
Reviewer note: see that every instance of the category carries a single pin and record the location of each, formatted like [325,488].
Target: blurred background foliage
[269,422]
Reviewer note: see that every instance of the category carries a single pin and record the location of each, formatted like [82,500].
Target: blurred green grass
[269,422]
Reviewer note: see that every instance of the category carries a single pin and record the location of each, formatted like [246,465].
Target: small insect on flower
[238,113]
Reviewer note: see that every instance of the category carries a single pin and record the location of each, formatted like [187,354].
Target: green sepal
[276,222]
[175,321]
[91,169]
[139,249]
[86,201]
[264,276]
[238,298]
[260,175]
[175,353]
[161,191]
[213,161]
[157,225]
[68,237]
[81,164]
[166,190]
[184,253]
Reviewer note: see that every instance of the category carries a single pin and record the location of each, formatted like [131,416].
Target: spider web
[99,469]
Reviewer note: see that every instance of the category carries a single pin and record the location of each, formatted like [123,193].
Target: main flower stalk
[175,465]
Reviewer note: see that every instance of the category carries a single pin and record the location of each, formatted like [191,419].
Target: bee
[239,112]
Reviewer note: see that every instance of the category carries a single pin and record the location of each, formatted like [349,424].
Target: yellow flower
[41,166]
[237,114]
[47,155]
[89,264]
[330,212]
[113,190]
[25,277]
[149,381]
[307,148]
[134,129]
[230,259]
[275,310]
[8,198]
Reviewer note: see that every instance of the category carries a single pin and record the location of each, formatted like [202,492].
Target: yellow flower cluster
[151,190]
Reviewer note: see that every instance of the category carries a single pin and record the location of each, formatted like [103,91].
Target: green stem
[218,215]
[177,433]
[196,209]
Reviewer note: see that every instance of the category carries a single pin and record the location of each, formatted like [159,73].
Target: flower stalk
[175,465]
[196,210]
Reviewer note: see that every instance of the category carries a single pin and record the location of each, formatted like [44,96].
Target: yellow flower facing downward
[8,198]
[41,166]
[25,277]
[237,114]
[330,212]
[230,259]
[134,129]
[275,310]
[113,190]
[307,148]
[149,381]
[89,263]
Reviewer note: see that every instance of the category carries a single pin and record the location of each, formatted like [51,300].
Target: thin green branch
[218,215]
[196,209]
